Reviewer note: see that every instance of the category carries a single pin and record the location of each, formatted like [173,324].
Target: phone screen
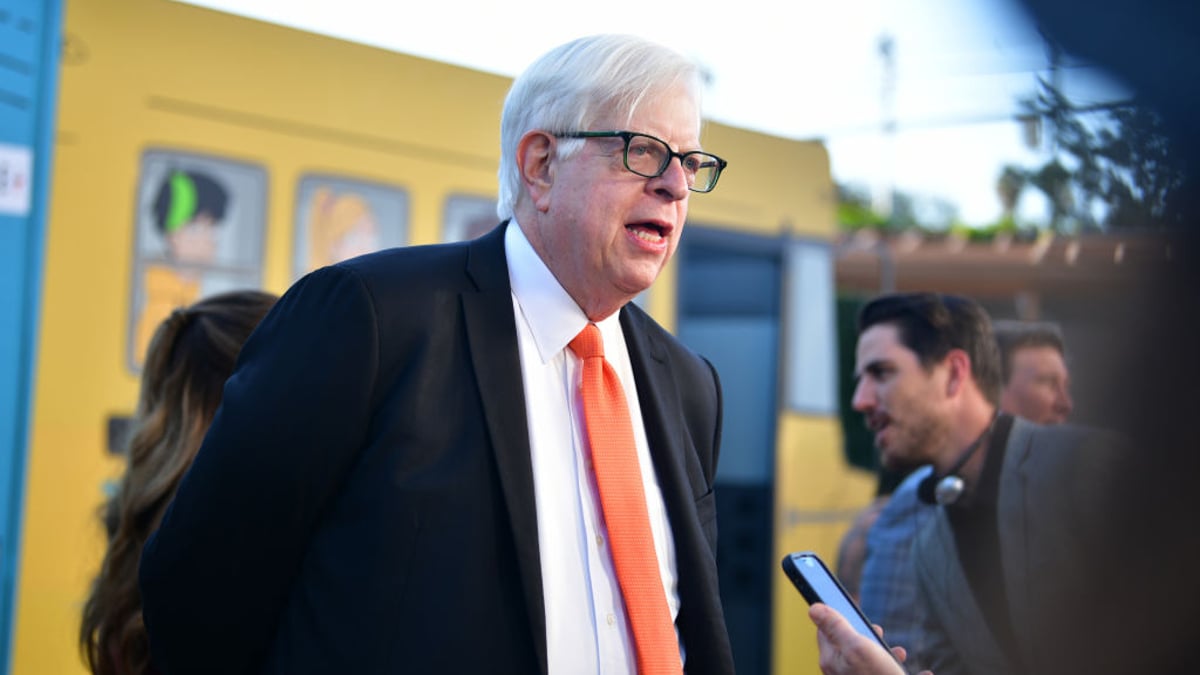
[817,584]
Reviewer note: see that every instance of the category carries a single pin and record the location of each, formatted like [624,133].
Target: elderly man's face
[607,232]
[1038,388]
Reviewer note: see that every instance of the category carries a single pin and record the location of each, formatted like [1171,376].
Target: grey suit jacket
[1057,486]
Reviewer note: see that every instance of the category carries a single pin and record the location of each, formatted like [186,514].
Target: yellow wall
[817,497]
[143,74]
[771,187]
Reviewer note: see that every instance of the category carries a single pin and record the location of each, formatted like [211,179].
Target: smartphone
[817,584]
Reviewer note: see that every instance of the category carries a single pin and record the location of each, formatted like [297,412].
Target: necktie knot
[589,343]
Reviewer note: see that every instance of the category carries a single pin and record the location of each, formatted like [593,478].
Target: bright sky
[800,70]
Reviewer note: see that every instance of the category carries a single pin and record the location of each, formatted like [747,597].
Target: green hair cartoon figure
[188,207]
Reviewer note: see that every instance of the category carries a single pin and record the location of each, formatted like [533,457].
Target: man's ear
[959,371]
[535,162]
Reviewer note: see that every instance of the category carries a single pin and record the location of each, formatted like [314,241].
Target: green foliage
[1119,169]
[1006,225]
[857,217]
[931,217]
[854,210]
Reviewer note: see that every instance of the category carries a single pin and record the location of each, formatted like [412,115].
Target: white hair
[574,84]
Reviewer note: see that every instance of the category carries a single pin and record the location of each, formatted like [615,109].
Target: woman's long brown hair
[189,358]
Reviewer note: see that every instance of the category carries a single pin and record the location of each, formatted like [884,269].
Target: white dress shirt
[586,627]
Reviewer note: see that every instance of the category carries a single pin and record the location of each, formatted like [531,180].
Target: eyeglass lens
[649,157]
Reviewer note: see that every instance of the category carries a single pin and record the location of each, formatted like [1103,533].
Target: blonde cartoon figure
[341,226]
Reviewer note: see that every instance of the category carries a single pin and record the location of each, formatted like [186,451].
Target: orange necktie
[614,456]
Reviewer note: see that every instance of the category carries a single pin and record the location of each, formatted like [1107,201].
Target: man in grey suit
[1008,567]
[1036,388]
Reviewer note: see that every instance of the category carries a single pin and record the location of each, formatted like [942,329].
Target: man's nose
[673,181]
[864,396]
[1064,400]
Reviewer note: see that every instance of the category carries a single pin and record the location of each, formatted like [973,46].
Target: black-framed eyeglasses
[649,157]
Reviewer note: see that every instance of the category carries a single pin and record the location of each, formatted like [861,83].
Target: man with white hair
[475,457]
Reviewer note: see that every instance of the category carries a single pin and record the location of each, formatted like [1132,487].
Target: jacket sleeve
[217,574]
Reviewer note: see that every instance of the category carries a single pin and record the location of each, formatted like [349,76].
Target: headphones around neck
[947,489]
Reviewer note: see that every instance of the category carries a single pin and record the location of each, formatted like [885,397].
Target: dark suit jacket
[363,502]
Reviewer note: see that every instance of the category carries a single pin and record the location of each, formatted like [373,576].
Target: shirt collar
[550,313]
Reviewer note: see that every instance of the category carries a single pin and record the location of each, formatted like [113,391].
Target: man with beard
[1006,567]
[1035,387]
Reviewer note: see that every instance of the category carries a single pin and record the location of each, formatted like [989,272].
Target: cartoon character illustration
[340,226]
[188,209]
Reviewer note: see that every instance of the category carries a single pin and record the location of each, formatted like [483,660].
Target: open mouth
[653,233]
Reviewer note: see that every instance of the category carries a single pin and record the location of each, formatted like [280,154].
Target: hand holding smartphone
[817,584]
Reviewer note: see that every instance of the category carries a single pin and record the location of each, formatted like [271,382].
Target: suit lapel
[682,481]
[660,405]
[953,602]
[659,400]
[939,564]
[492,336]
[1013,506]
